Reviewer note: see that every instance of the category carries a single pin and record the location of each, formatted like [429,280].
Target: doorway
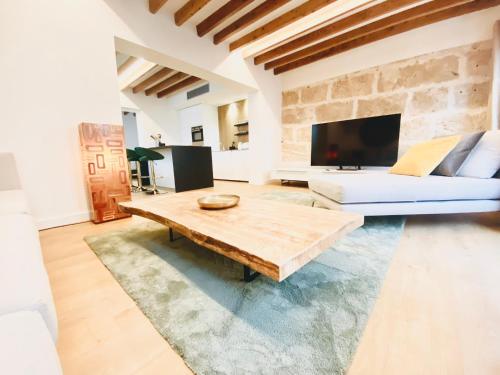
[129,120]
[131,133]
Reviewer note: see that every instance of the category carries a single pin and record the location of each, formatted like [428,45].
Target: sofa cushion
[24,284]
[375,187]
[454,160]
[26,346]
[484,160]
[13,202]
[421,159]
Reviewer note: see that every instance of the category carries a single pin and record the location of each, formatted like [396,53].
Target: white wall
[211,127]
[57,69]
[130,130]
[471,28]
[154,116]
[200,115]
[189,117]
[264,115]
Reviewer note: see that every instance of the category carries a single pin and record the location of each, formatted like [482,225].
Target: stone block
[419,129]
[479,63]
[334,111]
[296,116]
[290,98]
[428,101]
[461,122]
[416,129]
[303,134]
[432,71]
[472,95]
[381,105]
[314,94]
[352,86]
[295,151]
[287,134]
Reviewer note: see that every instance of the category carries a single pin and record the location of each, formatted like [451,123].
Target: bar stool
[133,156]
[145,154]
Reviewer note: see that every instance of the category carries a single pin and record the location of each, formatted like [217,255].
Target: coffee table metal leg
[248,275]
[171,235]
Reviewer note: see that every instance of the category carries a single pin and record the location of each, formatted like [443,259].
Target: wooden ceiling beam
[220,15]
[141,86]
[166,83]
[445,14]
[155,5]
[419,11]
[188,10]
[140,68]
[246,20]
[293,15]
[178,86]
[333,28]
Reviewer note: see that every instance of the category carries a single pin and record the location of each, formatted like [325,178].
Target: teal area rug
[310,323]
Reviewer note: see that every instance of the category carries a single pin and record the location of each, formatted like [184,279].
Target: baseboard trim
[59,221]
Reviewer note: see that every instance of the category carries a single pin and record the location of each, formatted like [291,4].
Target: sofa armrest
[26,346]
[9,178]
[24,284]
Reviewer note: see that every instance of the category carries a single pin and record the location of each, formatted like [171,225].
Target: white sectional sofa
[26,346]
[381,193]
[28,320]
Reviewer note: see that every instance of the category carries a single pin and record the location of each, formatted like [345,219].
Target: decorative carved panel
[106,170]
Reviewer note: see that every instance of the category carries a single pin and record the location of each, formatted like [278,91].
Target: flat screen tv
[371,141]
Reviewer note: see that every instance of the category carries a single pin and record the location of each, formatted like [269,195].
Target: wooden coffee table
[272,238]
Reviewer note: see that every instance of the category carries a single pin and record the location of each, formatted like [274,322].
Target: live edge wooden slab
[273,238]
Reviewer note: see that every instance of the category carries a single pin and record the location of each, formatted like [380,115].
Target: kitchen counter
[232,165]
[184,167]
[230,150]
[171,146]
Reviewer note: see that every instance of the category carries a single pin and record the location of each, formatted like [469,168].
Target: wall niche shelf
[241,129]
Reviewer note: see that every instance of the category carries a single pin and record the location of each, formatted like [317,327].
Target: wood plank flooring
[438,311]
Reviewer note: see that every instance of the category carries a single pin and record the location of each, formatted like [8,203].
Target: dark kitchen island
[184,167]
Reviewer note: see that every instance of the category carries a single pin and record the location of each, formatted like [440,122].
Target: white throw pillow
[484,159]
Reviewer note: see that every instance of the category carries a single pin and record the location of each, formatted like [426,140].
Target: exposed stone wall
[438,94]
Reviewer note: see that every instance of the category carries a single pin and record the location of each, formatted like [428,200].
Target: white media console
[305,173]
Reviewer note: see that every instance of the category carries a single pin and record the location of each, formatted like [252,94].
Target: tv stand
[351,168]
[305,173]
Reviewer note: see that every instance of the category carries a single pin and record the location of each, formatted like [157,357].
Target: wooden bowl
[218,201]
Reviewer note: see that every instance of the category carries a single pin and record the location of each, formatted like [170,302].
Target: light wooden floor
[438,311]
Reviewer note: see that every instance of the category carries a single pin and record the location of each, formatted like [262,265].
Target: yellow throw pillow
[421,159]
